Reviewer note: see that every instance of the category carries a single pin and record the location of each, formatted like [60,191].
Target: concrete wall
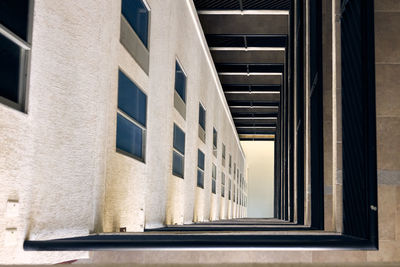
[260,174]
[59,161]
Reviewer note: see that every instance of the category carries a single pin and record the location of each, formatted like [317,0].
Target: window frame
[133,121]
[175,150]
[214,179]
[179,63]
[199,169]
[147,6]
[25,47]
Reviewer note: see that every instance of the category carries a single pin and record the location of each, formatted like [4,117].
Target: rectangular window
[234,193]
[136,13]
[214,179]
[222,184]
[230,189]
[131,118]
[202,123]
[215,142]
[223,155]
[200,168]
[202,117]
[14,52]
[230,164]
[178,155]
[180,81]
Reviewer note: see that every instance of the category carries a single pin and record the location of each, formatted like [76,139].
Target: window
[137,14]
[180,82]
[230,164]
[215,142]
[214,179]
[202,123]
[14,52]
[178,154]
[222,184]
[234,171]
[230,189]
[200,168]
[223,155]
[237,176]
[202,117]
[234,193]
[131,118]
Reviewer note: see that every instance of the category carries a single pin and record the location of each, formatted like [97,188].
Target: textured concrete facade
[59,161]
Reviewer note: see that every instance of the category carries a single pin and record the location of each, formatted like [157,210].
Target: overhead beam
[238,24]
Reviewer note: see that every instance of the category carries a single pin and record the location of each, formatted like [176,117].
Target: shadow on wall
[260,172]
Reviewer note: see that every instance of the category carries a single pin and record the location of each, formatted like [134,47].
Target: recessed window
[230,164]
[234,171]
[131,118]
[222,184]
[202,117]
[214,179]
[180,81]
[178,155]
[223,155]
[234,193]
[200,168]
[229,189]
[137,15]
[215,142]
[202,123]
[14,52]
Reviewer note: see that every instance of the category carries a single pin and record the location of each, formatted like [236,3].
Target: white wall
[59,160]
[260,171]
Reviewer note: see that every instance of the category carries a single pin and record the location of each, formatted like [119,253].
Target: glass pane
[200,159]
[9,69]
[215,136]
[202,117]
[214,187]
[180,82]
[131,99]
[214,171]
[179,139]
[137,16]
[14,15]
[129,137]
[177,164]
[200,178]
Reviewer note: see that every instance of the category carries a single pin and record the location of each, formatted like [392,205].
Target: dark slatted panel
[234,40]
[358,119]
[266,41]
[215,40]
[268,5]
[217,4]
[246,87]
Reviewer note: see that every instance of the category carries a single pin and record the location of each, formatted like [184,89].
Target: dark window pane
[131,99]
[200,159]
[214,187]
[179,139]
[137,15]
[215,137]
[14,15]
[177,164]
[9,69]
[180,82]
[202,117]
[200,178]
[129,137]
